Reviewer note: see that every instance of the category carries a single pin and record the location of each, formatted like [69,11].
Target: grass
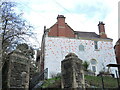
[52,83]
[93,81]
[96,81]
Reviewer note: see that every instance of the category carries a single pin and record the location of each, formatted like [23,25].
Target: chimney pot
[61,25]
[101,23]
[60,16]
[102,30]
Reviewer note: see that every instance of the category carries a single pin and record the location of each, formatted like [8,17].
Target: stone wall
[0,48]
[72,72]
[18,71]
[0,63]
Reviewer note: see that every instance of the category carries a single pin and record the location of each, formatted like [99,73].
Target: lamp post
[102,81]
[117,78]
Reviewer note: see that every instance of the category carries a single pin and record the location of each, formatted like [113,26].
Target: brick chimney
[102,30]
[61,25]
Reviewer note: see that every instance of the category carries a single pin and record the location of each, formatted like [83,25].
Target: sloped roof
[88,35]
[83,33]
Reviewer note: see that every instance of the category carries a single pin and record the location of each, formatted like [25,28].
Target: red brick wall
[64,31]
[61,29]
[102,30]
[69,32]
[117,51]
[53,31]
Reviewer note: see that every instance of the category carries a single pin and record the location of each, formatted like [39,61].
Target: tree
[27,50]
[14,28]
[85,65]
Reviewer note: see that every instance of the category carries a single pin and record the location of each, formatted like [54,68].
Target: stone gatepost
[19,69]
[72,72]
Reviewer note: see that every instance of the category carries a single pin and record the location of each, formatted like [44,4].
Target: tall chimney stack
[102,30]
[61,25]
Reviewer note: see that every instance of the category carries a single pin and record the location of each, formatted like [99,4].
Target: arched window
[93,65]
[81,47]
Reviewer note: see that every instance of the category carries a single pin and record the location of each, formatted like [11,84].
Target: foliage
[12,25]
[85,65]
[25,49]
[104,69]
[29,53]
[13,31]
[53,75]
[14,28]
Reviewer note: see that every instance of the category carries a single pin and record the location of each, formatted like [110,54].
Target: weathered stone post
[72,72]
[18,71]
[0,65]
[0,48]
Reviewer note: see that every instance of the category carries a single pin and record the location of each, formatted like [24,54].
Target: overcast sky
[81,15]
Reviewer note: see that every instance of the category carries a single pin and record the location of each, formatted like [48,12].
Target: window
[96,44]
[94,68]
[81,47]
[93,65]
[93,62]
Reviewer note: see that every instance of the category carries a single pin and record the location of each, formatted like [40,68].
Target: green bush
[85,65]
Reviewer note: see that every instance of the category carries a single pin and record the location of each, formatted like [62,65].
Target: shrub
[85,65]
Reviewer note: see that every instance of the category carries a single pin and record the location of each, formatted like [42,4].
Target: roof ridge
[85,31]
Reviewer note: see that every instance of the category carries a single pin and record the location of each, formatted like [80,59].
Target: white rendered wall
[57,48]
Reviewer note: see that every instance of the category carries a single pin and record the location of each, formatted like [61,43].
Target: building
[117,52]
[60,39]
[38,59]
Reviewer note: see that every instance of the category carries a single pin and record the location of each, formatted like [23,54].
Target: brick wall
[61,28]
[117,51]
[102,30]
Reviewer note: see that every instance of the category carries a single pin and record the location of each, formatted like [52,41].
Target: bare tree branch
[14,27]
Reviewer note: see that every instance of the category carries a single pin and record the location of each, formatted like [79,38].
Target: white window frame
[95,65]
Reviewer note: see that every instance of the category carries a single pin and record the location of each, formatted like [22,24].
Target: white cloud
[44,12]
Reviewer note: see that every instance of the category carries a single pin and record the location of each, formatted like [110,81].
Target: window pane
[93,62]
[81,48]
[94,68]
[96,44]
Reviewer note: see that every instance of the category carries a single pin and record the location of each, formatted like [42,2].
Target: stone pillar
[18,71]
[0,65]
[0,62]
[72,72]
[0,49]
